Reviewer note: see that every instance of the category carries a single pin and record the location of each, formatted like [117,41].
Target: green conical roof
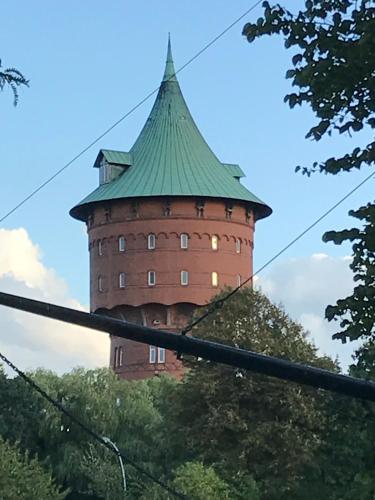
[171,158]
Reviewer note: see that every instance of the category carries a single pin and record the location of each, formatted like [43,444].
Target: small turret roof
[171,158]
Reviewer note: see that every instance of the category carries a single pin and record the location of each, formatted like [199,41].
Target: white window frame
[105,172]
[184,278]
[151,278]
[152,354]
[161,355]
[100,283]
[121,280]
[238,245]
[214,243]
[151,241]
[121,244]
[214,279]
[100,248]
[184,241]
[239,281]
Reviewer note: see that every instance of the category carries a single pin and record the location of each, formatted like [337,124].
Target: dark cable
[81,153]
[215,304]
[89,431]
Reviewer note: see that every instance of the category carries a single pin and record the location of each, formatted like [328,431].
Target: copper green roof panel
[234,170]
[171,158]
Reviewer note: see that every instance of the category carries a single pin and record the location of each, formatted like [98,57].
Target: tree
[24,478]
[244,424]
[14,79]
[333,71]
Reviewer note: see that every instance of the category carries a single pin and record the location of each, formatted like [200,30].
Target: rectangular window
[184,240]
[214,242]
[151,278]
[100,248]
[238,245]
[161,355]
[121,280]
[184,278]
[121,244]
[151,241]
[115,358]
[152,354]
[238,280]
[214,278]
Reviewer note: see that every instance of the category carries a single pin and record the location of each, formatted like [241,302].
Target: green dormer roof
[170,158]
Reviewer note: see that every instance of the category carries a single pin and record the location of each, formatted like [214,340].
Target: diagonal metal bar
[220,353]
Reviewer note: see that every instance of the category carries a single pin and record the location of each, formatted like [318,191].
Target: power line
[212,351]
[128,113]
[103,441]
[215,304]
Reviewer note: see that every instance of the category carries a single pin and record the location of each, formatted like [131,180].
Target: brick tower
[168,226]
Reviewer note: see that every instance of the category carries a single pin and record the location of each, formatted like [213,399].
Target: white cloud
[305,286]
[32,341]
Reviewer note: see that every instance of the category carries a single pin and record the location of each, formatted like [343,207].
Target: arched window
[151,241]
[184,240]
[184,278]
[238,245]
[152,354]
[100,248]
[214,242]
[120,356]
[214,278]
[161,355]
[151,278]
[121,244]
[100,283]
[121,280]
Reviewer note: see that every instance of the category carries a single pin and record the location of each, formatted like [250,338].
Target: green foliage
[23,478]
[242,422]
[333,72]
[198,482]
[14,79]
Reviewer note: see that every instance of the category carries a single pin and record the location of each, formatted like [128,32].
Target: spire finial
[169,73]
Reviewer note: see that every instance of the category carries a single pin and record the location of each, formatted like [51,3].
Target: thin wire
[216,304]
[128,113]
[89,431]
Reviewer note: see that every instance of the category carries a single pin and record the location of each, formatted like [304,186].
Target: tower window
[238,280]
[184,278]
[121,244]
[100,283]
[100,248]
[161,355]
[228,211]
[151,278]
[214,278]
[121,280]
[120,356]
[200,208]
[115,358]
[238,245]
[184,240]
[214,242]
[152,354]
[151,241]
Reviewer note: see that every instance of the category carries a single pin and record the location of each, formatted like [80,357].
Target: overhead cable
[102,440]
[128,113]
[211,351]
[217,303]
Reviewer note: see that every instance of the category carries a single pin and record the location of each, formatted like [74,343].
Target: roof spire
[169,73]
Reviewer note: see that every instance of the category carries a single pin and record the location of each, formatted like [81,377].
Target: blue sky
[90,62]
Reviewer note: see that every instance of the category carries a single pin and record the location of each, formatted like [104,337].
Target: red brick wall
[168,304]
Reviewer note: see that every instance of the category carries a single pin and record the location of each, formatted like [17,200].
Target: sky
[88,64]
